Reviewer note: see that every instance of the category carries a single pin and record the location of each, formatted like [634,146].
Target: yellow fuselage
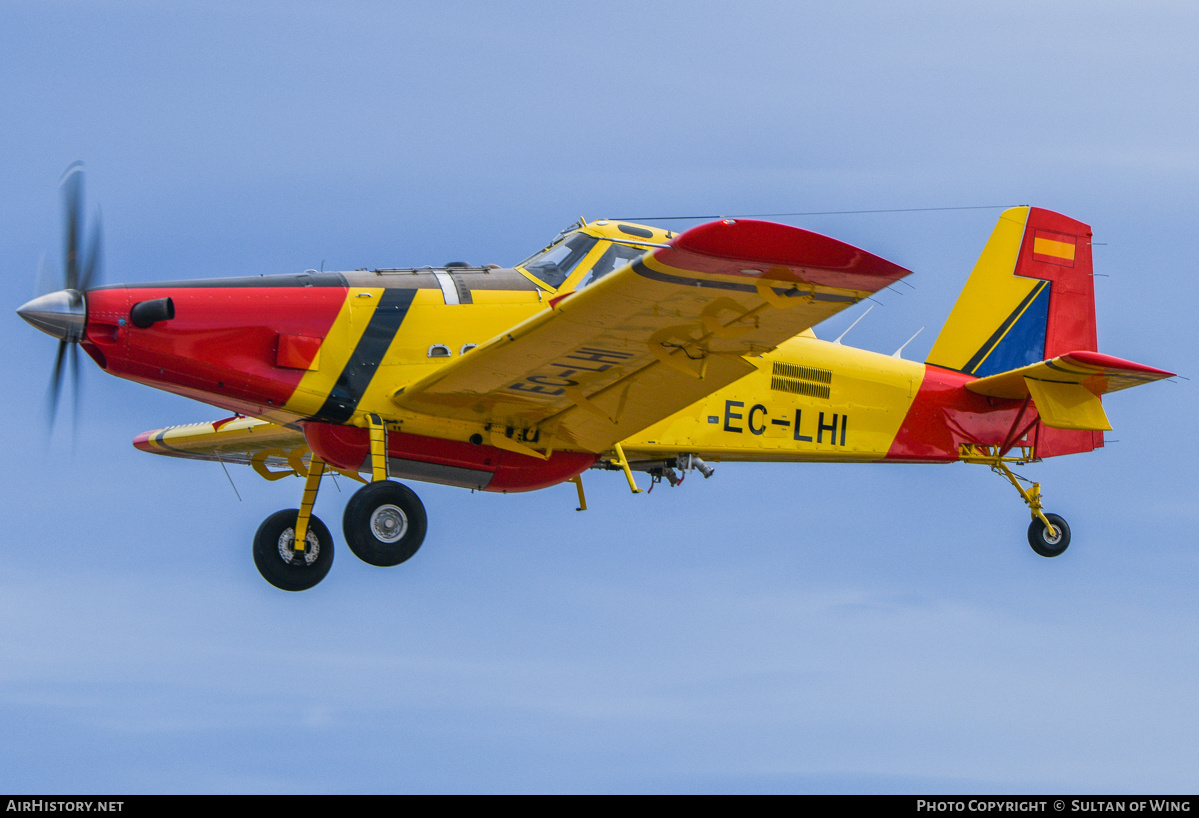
[807,400]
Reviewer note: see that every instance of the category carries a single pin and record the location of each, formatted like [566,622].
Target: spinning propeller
[63,312]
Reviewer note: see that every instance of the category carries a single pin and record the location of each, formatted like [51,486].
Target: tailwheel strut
[1048,534]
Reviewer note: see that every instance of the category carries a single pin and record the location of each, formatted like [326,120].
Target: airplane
[618,346]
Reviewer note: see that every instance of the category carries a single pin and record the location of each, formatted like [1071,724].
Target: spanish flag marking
[1054,248]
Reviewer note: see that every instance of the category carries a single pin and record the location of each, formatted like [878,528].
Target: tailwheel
[1045,543]
[1048,534]
[281,563]
[384,523]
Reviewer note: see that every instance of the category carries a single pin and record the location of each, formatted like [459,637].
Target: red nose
[229,343]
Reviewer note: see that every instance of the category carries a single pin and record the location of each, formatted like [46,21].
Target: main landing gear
[281,563]
[1048,534]
[384,524]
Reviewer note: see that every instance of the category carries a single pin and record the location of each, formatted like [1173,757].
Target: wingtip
[811,256]
[144,441]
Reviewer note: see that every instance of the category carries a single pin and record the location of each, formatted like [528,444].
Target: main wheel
[278,560]
[1042,543]
[384,523]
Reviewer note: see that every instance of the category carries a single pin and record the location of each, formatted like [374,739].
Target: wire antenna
[899,352]
[854,324]
[811,213]
[230,479]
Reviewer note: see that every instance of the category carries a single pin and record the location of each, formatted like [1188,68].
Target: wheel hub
[287,550]
[388,523]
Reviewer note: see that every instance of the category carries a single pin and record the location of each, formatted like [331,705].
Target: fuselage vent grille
[801,380]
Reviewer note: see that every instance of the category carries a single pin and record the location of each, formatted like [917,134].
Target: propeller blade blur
[92,269]
[46,282]
[72,200]
[56,379]
[60,308]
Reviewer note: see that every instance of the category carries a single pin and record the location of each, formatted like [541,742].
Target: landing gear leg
[1048,534]
[293,549]
[378,439]
[312,483]
[384,522]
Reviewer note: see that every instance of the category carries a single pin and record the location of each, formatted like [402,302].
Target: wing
[652,337]
[1066,389]
[273,450]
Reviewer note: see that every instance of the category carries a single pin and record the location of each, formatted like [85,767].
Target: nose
[62,314]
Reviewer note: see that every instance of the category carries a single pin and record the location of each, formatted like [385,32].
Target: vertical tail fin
[1031,297]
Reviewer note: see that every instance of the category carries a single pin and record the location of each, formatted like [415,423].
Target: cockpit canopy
[585,257]
[554,264]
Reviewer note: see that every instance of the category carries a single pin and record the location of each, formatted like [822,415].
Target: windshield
[557,261]
[618,255]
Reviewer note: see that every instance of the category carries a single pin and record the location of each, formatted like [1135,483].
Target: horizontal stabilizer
[1066,389]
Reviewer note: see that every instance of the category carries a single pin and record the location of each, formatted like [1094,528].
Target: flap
[653,337]
[1097,373]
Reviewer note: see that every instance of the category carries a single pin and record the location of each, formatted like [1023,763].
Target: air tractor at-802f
[618,346]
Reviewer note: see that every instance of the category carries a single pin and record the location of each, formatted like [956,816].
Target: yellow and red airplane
[618,346]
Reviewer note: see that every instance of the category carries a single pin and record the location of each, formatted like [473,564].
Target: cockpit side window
[554,264]
[618,255]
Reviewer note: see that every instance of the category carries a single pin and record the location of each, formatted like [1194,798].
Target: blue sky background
[777,627]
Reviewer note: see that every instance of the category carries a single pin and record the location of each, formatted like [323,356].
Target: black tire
[1044,545]
[278,561]
[384,523]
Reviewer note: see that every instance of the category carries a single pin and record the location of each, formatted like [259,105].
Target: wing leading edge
[652,337]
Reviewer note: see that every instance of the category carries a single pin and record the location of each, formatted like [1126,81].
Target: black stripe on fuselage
[642,270]
[364,362]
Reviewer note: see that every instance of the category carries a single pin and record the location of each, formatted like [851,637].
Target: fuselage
[327,350]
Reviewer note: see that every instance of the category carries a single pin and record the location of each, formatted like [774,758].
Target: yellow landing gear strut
[316,470]
[378,437]
[384,522]
[1048,534]
[292,548]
